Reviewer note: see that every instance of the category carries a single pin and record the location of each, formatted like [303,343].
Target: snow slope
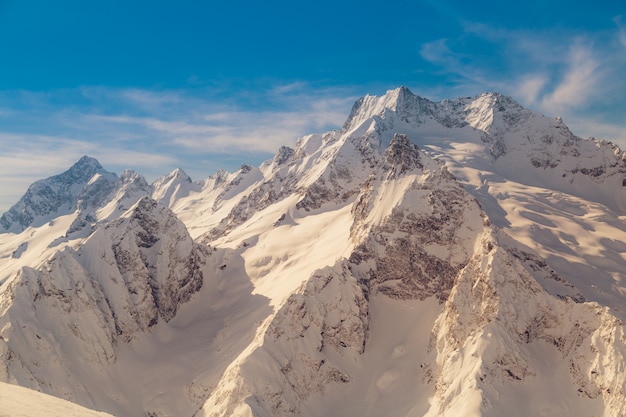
[449,258]
[17,401]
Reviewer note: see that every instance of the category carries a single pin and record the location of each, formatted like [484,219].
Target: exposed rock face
[401,156]
[57,195]
[326,317]
[417,250]
[158,261]
[483,306]
[127,276]
[285,154]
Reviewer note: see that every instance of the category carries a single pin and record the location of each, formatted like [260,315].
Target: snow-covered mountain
[461,257]
[57,195]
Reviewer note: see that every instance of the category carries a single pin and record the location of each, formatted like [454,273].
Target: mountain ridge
[469,224]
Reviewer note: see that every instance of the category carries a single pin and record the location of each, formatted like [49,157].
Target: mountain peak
[179,174]
[171,187]
[402,94]
[397,99]
[400,102]
[402,109]
[498,102]
[52,196]
[87,160]
[284,155]
[85,168]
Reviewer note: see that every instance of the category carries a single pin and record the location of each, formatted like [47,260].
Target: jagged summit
[402,155]
[52,196]
[177,174]
[482,118]
[86,166]
[404,106]
[494,132]
[284,154]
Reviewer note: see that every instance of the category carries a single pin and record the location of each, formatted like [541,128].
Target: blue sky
[155,85]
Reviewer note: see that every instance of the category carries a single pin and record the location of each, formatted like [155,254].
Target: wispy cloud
[531,87]
[438,52]
[580,80]
[621,29]
[235,131]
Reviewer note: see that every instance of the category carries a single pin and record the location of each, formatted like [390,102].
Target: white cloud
[531,87]
[438,52]
[237,131]
[288,88]
[579,81]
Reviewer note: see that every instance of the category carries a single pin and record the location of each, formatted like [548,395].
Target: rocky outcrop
[125,278]
[326,316]
[158,261]
[418,248]
[483,320]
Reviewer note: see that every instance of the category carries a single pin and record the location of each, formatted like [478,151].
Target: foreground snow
[17,401]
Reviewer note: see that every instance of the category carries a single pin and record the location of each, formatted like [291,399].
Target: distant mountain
[461,257]
[56,196]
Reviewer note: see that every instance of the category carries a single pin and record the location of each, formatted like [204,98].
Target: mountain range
[462,257]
